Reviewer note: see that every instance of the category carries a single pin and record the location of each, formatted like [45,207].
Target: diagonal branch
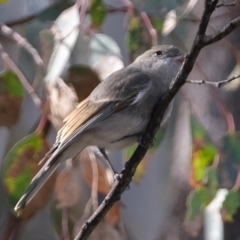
[222,33]
[125,176]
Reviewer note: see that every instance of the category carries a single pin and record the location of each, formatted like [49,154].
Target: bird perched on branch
[115,114]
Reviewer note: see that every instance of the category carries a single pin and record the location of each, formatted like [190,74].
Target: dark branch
[223,33]
[215,84]
[126,175]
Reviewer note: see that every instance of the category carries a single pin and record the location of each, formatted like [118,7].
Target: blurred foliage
[204,152]
[231,205]
[11,95]
[80,183]
[20,165]
[98,12]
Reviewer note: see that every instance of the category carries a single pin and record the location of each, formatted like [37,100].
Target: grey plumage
[115,113]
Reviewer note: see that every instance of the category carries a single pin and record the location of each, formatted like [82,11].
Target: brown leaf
[9,110]
[11,94]
[23,164]
[68,187]
[86,167]
[62,100]
[113,215]
[83,79]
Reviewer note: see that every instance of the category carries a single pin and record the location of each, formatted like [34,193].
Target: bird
[114,115]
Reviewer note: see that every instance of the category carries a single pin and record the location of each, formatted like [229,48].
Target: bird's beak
[180,57]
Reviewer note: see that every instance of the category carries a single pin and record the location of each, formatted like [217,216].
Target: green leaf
[202,159]
[10,84]
[158,24]
[231,204]
[21,164]
[197,201]
[134,37]
[212,180]
[204,151]
[202,196]
[197,129]
[98,12]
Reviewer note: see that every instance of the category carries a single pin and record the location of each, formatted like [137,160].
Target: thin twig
[83,10]
[12,65]
[222,33]
[94,192]
[21,41]
[218,84]
[231,4]
[152,31]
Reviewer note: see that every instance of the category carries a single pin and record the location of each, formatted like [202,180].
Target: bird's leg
[103,152]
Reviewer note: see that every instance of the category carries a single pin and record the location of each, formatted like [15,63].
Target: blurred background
[53,53]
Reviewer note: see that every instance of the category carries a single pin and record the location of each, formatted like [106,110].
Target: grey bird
[115,114]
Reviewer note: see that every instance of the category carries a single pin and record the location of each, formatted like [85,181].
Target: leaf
[68,187]
[196,202]
[202,158]
[202,196]
[10,84]
[62,100]
[204,152]
[104,185]
[170,22]
[65,30]
[11,94]
[158,23]
[83,79]
[231,205]
[101,45]
[113,215]
[20,166]
[235,84]
[98,12]
[134,37]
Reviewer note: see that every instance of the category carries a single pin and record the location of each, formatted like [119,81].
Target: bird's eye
[158,53]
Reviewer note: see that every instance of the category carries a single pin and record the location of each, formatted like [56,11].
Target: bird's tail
[37,182]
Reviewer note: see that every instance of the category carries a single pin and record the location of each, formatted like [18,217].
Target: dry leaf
[86,167]
[113,215]
[21,164]
[83,79]
[9,110]
[68,187]
[62,100]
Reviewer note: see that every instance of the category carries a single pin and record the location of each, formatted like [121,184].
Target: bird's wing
[88,113]
[104,101]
